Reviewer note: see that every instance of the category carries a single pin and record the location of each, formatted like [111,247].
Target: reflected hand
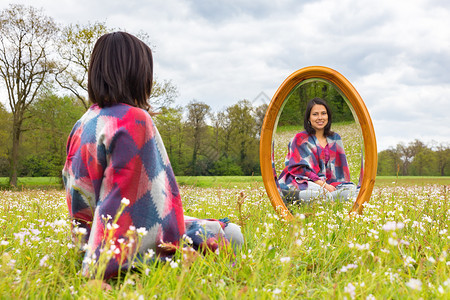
[329,187]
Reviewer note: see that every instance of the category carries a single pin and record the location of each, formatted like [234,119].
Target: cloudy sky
[395,53]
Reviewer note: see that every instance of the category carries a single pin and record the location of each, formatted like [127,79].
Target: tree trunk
[14,159]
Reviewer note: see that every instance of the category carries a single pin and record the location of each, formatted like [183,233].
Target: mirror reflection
[317,145]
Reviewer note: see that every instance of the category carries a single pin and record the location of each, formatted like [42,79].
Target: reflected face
[318,117]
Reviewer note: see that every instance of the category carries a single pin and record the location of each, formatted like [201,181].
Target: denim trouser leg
[316,192]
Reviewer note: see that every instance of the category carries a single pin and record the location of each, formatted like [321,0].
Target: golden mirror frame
[271,117]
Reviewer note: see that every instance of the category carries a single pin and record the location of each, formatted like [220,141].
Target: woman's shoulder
[335,136]
[302,135]
[124,112]
[301,138]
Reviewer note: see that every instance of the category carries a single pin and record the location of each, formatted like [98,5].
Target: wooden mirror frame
[271,117]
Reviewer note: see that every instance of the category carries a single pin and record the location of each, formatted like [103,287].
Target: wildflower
[150,253]
[351,290]
[363,246]
[276,291]
[142,231]
[392,226]
[393,242]
[447,282]
[221,283]
[403,242]
[130,282]
[43,260]
[347,267]
[427,218]
[125,201]
[4,243]
[285,259]
[35,231]
[408,261]
[441,289]
[80,230]
[431,260]
[173,264]
[414,284]
[188,239]
[370,297]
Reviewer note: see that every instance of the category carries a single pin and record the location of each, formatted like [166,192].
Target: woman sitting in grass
[120,187]
[316,165]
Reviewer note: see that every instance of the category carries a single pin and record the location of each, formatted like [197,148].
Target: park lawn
[34,182]
[412,180]
[231,181]
[219,181]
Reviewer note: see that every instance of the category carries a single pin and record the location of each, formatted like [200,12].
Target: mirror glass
[351,120]
[345,123]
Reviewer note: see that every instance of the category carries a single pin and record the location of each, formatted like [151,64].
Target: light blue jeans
[343,192]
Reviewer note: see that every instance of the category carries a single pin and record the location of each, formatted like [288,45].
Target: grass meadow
[397,249]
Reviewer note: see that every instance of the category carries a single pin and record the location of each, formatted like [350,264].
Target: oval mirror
[350,116]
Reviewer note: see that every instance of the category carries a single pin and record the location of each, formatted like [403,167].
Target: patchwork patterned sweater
[116,160]
[306,161]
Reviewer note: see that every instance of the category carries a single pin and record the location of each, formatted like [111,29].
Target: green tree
[5,137]
[75,47]
[389,162]
[197,130]
[226,166]
[295,104]
[225,130]
[259,114]
[245,130]
[443,159]
[26,40]
[424,163]
[170,125]
[50,120]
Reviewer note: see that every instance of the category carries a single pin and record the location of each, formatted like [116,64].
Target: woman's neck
[320,134]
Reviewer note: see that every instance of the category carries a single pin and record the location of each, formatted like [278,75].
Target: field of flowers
[397,249]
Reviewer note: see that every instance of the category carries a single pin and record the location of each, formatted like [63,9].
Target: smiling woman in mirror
[316,166]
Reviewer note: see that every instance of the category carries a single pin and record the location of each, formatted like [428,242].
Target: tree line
[415,159]
[43,69]
[198,140]
[295,104]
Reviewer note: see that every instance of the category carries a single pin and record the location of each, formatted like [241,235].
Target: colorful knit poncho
[305,162]
[115,155]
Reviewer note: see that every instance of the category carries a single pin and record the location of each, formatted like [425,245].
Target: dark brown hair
[317,101]
[120,71]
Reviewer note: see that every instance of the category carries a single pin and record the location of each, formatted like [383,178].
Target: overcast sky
[395,53]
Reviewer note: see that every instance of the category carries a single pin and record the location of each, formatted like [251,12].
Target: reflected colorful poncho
[116,158]
[305,162]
